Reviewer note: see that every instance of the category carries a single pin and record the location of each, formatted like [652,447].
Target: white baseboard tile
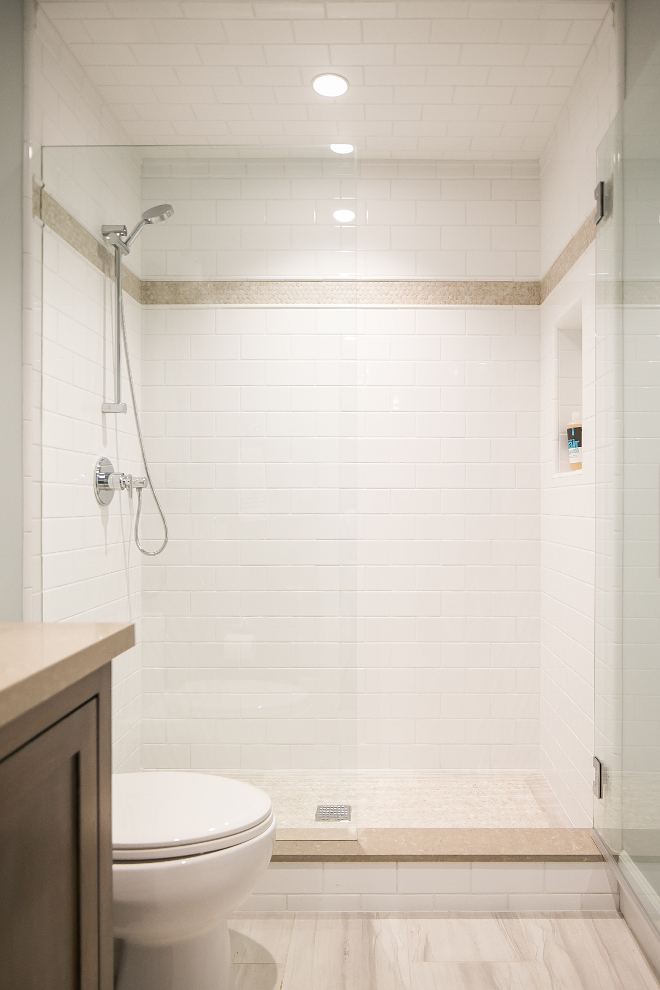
[360,878]
[434,878]
[398,902]
[266,902]
[579,878]
[324,902]
[544,902]
[600,902]
[435,887]
[507,878]
[293,878]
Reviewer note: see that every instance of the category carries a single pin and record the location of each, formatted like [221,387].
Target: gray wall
[11,278]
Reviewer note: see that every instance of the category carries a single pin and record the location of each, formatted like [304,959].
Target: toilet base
[200,963]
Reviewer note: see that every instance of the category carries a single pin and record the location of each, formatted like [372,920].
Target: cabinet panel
[49,858]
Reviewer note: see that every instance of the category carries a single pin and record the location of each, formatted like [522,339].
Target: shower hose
[138,514]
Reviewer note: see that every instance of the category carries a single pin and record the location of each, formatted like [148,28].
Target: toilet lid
[164,809]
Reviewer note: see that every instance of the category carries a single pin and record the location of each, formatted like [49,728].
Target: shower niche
[568,384]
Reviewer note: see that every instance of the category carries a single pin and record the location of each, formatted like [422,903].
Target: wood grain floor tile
[349,953]
[258,976]
[261,940]
[481,952]
[587,954]
[473,976]
[495,939]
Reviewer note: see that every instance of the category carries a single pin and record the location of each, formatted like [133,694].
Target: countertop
[37,660]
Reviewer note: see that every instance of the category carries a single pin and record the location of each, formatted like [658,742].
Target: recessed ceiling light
[342,149]
[329,84]
[343,216]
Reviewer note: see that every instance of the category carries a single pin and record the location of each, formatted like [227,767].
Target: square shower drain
[333,813]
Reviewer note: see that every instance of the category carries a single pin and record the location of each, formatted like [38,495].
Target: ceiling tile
[446,78]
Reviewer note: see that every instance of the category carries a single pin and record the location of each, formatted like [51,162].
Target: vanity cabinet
[55,841]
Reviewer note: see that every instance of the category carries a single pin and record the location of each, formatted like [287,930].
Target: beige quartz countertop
[37,660]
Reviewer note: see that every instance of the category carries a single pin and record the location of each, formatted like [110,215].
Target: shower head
[155,214]
[158,213]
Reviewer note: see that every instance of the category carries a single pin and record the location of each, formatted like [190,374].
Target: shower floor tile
[444,799]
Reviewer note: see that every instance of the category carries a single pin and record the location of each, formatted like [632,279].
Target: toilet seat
[159,815]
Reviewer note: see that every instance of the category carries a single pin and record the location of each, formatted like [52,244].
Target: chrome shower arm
[129,240]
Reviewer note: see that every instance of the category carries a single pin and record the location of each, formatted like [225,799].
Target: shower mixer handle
[107,481]
[119,482]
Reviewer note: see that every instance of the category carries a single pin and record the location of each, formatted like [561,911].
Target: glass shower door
[242,329]
[627,816]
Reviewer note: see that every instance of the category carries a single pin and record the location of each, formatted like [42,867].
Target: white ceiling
[469,80]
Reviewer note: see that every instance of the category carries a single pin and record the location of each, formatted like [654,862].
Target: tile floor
[437,952]
[444,799]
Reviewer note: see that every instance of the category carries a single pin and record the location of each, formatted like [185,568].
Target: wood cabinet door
[49,858]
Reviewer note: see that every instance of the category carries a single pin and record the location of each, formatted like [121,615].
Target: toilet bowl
[188,849]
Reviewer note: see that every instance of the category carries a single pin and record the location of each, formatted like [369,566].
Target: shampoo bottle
[574,432]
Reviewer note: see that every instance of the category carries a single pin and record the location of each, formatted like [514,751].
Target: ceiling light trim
[330,85]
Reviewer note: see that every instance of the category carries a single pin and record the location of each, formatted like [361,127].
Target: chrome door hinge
[599,196]
[597,785]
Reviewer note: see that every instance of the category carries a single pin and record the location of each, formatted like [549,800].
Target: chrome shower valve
[119,482]
[107,481]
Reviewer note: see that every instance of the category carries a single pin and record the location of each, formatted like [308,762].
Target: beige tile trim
[331,293]
[36,198]
[644,292]
[573,251]
[79,238]
[321,292]
[509,845]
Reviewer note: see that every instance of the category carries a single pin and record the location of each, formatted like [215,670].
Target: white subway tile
[291,878]
[507,878]
[433,878]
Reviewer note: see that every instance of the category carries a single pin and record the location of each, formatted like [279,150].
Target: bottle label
[574,434]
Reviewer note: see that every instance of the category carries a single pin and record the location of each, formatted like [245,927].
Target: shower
[106,480]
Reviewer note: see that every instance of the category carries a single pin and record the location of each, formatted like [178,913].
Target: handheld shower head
[156,214]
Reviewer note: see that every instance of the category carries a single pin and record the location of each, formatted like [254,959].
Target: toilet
[188,849]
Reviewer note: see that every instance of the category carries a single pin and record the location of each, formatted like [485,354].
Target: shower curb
[446,845]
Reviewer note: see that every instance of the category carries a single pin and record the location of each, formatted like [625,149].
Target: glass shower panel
[248,378]
[628,576]
[609,491]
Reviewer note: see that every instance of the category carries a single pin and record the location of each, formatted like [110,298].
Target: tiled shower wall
[353,502]
[568,176]
[269,218]
[67,109]
[78,564]
[353,494]
[91,571]
[473,234]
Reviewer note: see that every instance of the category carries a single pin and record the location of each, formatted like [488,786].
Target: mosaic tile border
[573,251]
[645,292]
[321,292]
[335,293]
[60,221]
